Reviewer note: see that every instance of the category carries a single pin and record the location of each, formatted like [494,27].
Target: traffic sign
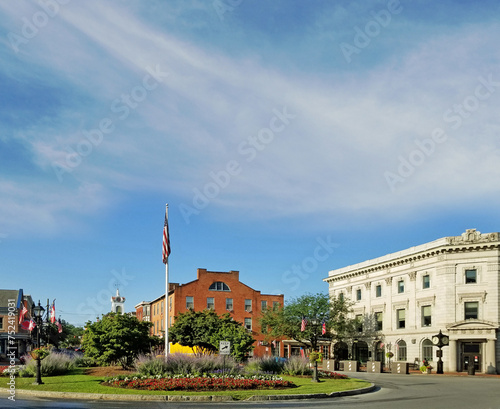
[224,347]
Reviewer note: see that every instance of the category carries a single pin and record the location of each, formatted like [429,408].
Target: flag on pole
[31,325]
[26,325]
[166,240]
[59,326]
[323,328]
[303,324]
[53,313]
[22,313]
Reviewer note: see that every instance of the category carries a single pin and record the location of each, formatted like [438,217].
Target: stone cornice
[469,241]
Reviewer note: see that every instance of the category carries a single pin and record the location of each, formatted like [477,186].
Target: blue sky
[289,139]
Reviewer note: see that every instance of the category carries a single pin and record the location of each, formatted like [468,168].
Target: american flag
[59,326]
[53,313]
[323,328]
[303,324]
[166,240]
[23,312]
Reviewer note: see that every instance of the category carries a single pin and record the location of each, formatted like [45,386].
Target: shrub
[297,365]
[267,365]
[55,363]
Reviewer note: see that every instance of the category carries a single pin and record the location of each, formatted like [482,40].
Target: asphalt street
[394,391]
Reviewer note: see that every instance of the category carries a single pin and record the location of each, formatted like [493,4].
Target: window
[401,286]
[358,294]
[210,303]
[1,322]
[219,286]
[162,307]
[229,304]
[276,305]
[341,296]
[426,316]
[263,305]
[427,350]
[170,303]
[248,305]
[426,281]
[471,310]
[378,319]
[378,291]
[401,349]
[470,276]
[400,318]
[189,303]
[248,324]
[359,322]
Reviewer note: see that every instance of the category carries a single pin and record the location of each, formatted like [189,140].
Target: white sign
[224,347]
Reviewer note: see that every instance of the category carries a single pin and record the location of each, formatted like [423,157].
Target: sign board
[224,347]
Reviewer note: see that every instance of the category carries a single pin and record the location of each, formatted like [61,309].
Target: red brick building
[223,292]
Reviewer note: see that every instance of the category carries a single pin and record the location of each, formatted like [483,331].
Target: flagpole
[167,346]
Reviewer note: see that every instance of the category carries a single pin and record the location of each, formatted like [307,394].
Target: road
[394,391]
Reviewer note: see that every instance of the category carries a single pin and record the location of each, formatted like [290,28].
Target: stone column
[452,356]
[489,358]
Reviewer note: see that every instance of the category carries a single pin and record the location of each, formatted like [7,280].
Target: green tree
[203,330]
[315,309]
[117,338]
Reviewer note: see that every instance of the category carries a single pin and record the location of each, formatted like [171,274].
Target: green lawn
[76,381]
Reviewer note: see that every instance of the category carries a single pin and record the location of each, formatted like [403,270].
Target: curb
[180,398]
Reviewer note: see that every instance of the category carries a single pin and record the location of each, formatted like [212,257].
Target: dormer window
[219,286]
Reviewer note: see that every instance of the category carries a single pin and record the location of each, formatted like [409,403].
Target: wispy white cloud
[348,128]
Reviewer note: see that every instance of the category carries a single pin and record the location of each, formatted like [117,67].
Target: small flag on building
[26,325]
[31,325]
[303,324]
[59,326]
[166,240]
[323,328]
[22,313]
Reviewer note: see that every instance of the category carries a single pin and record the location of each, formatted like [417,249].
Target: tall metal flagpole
[166,251]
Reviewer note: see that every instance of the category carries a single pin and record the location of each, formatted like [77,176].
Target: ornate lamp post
[38,312]
[440,340]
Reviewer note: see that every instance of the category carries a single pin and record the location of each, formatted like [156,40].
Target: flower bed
[199,383]
[331,375]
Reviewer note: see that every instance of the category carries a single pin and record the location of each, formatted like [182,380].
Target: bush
[56,363]
[266,365]
[297,365]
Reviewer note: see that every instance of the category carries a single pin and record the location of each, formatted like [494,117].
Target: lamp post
[440,340]
[38,312]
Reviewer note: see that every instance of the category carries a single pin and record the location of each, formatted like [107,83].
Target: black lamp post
[440,340]
[38,312]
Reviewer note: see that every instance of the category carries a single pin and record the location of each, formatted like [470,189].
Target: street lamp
[38,313]
[440,340]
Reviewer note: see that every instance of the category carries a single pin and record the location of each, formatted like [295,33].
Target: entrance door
[471,355]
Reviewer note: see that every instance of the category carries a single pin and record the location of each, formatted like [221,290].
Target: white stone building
[450,284]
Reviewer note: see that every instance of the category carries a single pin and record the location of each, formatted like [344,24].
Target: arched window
[427,350]
[401,347]
[219,286]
